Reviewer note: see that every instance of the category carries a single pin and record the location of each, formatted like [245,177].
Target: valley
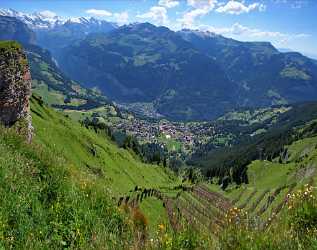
[138,136]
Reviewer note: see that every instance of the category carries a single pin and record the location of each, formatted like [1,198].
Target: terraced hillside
[263,198]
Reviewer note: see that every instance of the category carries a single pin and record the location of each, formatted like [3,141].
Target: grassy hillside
[276,209]
[43,206]
[95,158]
[94,154]
[62,190]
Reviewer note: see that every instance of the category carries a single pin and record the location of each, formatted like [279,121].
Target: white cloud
[251,33]
[202,3]
[121,18]
[48,14]
[188,18]
[157,14]
[237,8]
[168,3]
[99,13]
[201,8]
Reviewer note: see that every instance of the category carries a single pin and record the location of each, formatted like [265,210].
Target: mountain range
[185,75]
[189,75]
[44,20]
[54,32]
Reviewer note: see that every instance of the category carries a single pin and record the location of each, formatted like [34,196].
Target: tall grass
[296,228]
[42,208]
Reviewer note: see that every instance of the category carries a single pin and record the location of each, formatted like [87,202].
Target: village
[176,136]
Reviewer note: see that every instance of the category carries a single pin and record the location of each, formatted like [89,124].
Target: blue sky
[288,24]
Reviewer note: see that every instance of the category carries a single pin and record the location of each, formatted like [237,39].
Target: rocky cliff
[15,88]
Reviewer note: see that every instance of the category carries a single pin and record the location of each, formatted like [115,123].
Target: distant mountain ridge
[14,29]
[185,75]
[264,75]
[54,32]
[142,62]
[189,75]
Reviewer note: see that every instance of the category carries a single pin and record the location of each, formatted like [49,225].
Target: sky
[287,24]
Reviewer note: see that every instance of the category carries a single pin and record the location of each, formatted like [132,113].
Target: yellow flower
[161,227]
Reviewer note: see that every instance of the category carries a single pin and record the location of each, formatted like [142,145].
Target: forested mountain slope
[265,75]
[187,74]
[296,124]
[142,62]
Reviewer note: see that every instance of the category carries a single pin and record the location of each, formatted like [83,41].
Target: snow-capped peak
[37,20]
[48,19]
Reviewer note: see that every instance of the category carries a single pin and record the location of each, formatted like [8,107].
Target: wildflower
[161,227]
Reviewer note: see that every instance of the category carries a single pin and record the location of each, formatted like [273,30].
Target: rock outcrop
[15,88]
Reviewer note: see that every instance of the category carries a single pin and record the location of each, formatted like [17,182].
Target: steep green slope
[57,193]
[92,157]
[62,190]
[271,181]
[95,154]
[44,206]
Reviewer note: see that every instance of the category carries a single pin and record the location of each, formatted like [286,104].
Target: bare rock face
[15,88]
